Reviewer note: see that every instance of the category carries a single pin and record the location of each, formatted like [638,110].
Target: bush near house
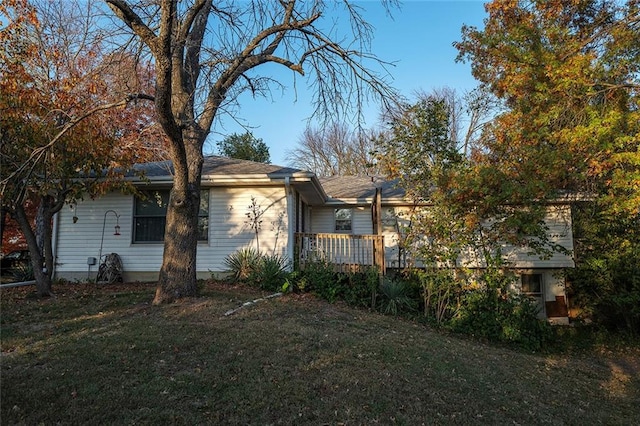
[440,297]
[267,272]
[483,307]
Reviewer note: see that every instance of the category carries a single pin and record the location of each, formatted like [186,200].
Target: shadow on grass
[104,355]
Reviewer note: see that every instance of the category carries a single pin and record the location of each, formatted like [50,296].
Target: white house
[355,197]
[349,220]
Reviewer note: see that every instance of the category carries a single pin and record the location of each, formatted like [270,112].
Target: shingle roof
[360,187]
[215,165]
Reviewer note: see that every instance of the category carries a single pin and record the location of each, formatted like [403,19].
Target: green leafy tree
[569,75]
[421,155]
[448,225]
[244,147]
[605,286]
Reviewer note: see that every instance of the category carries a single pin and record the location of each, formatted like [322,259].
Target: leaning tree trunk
[42,277]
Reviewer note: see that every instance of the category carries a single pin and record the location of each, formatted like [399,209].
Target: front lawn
[104,355]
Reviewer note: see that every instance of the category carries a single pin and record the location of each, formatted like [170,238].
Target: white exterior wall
[75,242]
[228,232]
[323,221]
[558,220]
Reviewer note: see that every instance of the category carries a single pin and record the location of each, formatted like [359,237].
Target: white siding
[322,220]
[362,220]
[78,241]
[229,229]
[228,232]
[558,220]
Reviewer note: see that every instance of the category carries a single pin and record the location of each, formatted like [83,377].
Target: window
[532,284]
[389,219]
[150,216]
[343,220]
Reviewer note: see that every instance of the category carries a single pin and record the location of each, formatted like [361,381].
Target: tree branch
[133,21]
[38,153]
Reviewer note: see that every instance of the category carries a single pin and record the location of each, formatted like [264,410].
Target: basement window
[532,284]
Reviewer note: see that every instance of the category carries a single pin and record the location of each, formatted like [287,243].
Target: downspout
[290,225]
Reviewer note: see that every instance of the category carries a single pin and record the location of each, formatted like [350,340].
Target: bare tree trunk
[47,237]
[43,278]
[178,273]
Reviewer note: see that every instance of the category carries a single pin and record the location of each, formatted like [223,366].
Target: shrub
[321,279]
[242,263]
[394,297]
[440,291]
[294,282]
[270,272]
[361,287]
[355,288]
[491,312]
[22,272]
[618,309]
[522,325]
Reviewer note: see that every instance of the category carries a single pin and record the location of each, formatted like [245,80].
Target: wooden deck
[348,253]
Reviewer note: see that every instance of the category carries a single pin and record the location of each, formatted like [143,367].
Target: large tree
[569,74]
[245,147]
[420,153]
[206,53]
[52,84]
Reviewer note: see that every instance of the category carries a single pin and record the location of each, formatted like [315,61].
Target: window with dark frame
[343,220]
[150,216]
[531,284]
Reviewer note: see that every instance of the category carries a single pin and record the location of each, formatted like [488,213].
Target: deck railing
[348,253]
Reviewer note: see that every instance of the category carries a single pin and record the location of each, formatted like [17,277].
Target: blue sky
[417,38]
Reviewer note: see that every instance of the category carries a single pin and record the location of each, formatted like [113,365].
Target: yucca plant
[22,272]
[394,297]
[270,272]
[242,263]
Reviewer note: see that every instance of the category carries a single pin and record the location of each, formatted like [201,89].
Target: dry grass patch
[104,355]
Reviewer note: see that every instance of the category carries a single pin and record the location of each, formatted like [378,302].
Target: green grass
[104,355]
